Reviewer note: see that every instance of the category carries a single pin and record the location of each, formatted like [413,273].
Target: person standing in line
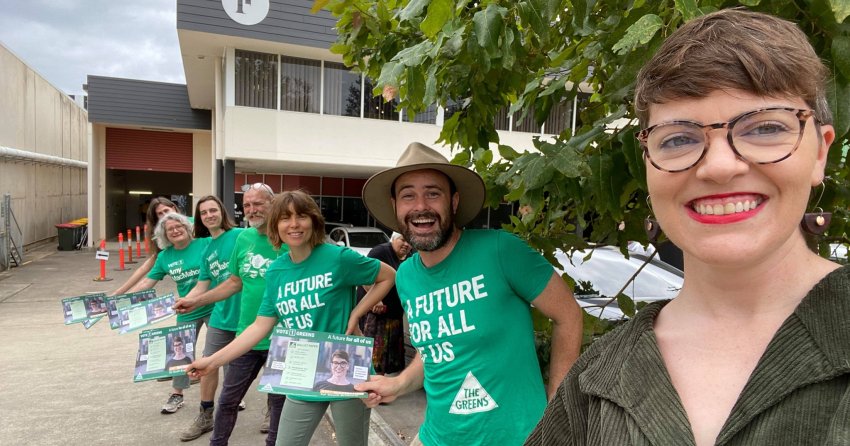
[158,207]
[251,257]
[468,297]
[312,287]
[218,226]
[385,320]
[179,258]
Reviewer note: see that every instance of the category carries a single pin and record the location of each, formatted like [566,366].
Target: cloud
[66,40]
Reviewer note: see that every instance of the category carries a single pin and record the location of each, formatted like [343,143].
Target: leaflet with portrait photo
[316,364]
[142,314]
[115,303]
[80,308]
[165,352]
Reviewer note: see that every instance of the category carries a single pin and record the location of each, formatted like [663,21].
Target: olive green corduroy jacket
[619,392]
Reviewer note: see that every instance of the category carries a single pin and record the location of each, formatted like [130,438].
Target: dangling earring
[816,222]
[650,224]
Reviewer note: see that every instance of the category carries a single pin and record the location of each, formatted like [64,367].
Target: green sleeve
[267,305]
[158,270]
[526,270]
[359,269]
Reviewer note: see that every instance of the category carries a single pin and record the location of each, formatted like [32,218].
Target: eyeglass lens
[762,137]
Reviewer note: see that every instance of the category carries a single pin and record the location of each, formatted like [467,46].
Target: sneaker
[242,405]
[203,423]
[264,428]
[174,402]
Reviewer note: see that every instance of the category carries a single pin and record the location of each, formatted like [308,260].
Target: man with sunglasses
[251,257]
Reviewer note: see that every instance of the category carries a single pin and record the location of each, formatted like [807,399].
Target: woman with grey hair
[180,258]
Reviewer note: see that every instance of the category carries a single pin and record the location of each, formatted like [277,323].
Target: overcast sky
[66,40]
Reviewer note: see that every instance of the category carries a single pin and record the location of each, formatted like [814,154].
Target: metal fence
[11,236]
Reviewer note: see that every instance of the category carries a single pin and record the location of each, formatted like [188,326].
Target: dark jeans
[241,373]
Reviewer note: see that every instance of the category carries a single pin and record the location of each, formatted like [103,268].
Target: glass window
[429,116]
[583,101]
[256,79]
[354,212]
[342,90]
[375,107]
[300,83]
[560,118]
[527,124]
[501,120]
[451,108]
[331,208]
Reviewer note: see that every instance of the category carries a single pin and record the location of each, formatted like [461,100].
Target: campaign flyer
[80,308]
[165,352]
[121,301]
[316,364]
[142,314]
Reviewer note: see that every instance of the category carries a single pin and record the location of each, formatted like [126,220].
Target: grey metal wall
[144,103]
[288,21]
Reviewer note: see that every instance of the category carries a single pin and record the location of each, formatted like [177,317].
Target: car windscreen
[366,239]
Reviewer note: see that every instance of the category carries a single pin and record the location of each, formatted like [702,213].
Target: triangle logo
[267,388]
[139,376]
[472,398]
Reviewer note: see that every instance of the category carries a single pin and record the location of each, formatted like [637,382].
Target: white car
[607,271]
[359,238]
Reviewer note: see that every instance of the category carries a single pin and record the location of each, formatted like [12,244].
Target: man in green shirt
[251,257]
[467,296]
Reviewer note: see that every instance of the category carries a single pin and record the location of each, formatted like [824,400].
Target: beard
[431,242]
[257,222]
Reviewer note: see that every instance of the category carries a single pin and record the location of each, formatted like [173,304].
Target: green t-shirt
[470,320]
[251,257]
[318,293]
[225,315]
[183,266]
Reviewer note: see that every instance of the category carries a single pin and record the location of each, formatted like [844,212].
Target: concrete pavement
[66,385]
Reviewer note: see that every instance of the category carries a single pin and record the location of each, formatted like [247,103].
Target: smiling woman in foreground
[756,347]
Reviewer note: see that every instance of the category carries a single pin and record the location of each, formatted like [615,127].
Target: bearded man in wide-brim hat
[467,295]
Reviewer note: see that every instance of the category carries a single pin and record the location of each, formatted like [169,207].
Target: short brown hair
[301,203]
[734,49]
[201,229]
[153,219]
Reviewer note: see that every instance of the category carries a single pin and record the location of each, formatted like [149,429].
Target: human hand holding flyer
[316,364]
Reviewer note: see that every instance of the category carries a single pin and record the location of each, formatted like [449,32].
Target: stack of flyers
[86,309]
[121,301]
[135,316]
[165,352]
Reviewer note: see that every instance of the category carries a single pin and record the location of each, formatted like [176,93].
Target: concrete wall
[36,117]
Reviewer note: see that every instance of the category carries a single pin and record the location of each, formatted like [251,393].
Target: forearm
[566,347]
[375,295]
[144,284]
[244,342]
[200,288]
[412,377]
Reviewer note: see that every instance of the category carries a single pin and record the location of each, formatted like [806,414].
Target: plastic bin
[68,236]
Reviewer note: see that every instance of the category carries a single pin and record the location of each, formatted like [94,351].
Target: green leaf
[531,12]
[750,3]
[688,8]
[413,9]
[439,12]
[507,152]
[841,54]
[413,56]
[841,9]
[639,33]
[488,25]
[626,304]
[318,5]
[839,103]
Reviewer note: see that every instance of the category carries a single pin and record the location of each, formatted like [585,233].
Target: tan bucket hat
[377,192]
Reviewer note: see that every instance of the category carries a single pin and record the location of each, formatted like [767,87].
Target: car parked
[359,238]
[600,273]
